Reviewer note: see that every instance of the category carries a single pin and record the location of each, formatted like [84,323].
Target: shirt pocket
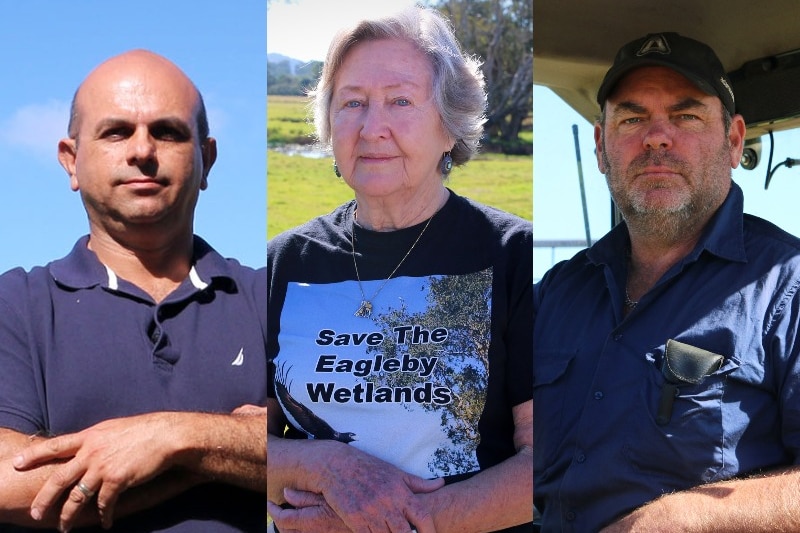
[549,395]
[689,448]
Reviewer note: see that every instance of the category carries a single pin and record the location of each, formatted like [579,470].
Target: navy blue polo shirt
[79,345]
[599,450]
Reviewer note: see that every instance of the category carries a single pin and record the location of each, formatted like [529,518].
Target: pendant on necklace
[364,310]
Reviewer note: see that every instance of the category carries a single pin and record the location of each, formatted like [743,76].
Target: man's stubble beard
[672,223]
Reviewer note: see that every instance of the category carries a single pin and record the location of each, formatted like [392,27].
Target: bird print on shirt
[301,416]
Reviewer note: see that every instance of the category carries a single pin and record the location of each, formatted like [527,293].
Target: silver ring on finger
[85,490]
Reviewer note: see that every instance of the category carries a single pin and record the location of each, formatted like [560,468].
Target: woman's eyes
[354,104]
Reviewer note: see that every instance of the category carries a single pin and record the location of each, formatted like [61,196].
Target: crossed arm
[130,464]
[765,503]
[335,487]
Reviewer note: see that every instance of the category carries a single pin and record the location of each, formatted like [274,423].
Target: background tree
[500,32]
[287,76]
[462,304]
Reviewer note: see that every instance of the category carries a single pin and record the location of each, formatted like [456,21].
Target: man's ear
[736,139]
[598,147]
[208,150]
[67,156]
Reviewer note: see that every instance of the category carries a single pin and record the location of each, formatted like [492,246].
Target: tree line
[290,77]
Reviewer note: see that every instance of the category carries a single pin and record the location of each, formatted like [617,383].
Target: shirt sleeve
[520,326]
[784,342]
[19,394]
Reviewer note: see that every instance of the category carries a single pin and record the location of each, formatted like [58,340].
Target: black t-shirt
[428,381]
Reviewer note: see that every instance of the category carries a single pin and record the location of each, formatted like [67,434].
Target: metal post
[580,180]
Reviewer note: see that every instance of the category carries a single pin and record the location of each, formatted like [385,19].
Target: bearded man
[666,379]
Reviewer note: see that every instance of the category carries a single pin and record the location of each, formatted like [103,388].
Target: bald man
[133,368]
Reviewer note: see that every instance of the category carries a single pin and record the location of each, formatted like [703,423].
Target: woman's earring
[336,170]
[447,164]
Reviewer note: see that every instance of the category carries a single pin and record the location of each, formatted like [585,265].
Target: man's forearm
[18,488]
[178,450]
[227,448]
[765,503]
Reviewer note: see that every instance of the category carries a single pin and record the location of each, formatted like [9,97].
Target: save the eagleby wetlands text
[369,392]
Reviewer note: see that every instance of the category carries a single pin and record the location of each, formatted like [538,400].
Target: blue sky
[286,17]
[50,46]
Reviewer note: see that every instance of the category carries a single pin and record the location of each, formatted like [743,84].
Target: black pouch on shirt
[683,364]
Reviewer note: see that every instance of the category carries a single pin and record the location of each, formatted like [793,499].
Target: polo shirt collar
[723,236]
[81,269]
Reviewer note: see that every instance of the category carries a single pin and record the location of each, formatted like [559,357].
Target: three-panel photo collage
[430,266]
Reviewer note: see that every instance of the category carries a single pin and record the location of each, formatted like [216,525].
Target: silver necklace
[630,304]
[365,309]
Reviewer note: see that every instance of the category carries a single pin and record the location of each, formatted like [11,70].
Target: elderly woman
[400,324]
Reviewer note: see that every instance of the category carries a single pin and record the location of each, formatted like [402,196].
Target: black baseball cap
[695,60]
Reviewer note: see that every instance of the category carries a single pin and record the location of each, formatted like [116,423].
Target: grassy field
[286,120]
[300,188]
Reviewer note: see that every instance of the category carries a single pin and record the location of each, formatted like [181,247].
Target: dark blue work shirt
[599,451]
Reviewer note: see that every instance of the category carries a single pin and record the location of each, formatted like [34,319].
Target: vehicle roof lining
[575,40]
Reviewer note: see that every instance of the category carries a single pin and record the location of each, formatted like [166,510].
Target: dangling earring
[336,170]
[447,164]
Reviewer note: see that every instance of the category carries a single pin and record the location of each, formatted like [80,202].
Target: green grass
[300,188]
[287,120]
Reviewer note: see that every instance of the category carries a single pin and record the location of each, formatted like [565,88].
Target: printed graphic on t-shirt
[408,384]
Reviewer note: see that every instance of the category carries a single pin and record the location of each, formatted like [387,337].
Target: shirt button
[618,336]
[570,516]
[155,336]
[580,458]
[598,395]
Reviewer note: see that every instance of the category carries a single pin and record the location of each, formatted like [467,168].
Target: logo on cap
[725,83]
[657,44]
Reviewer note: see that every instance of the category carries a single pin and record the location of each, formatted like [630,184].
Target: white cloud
[36,128]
